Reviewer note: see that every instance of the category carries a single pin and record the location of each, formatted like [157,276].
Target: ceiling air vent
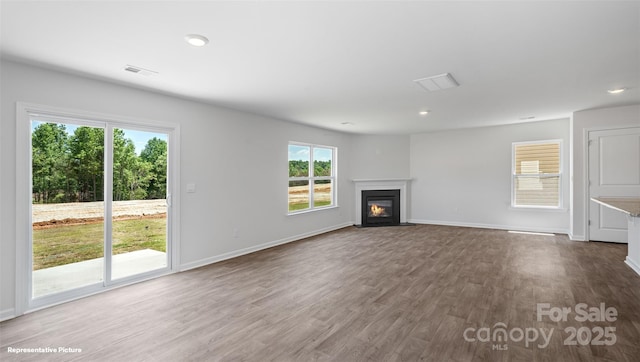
[437,82]
[139,70]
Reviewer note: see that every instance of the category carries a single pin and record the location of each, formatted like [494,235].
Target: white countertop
[628,205]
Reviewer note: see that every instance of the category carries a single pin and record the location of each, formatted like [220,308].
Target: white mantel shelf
[381,179]
[382,184]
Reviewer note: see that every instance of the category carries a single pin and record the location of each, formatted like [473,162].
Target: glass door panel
[139,208]
[67,206]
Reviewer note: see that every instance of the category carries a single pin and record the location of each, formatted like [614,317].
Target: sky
[297,152]
[139,138]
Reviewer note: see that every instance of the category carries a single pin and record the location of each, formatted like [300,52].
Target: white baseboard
[632,265]
[7,314]
[253,249]
[577,237]
[490,226]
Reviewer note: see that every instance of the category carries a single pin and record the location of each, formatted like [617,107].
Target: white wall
[582,123]
[463,177]
[379,157]
[237,160]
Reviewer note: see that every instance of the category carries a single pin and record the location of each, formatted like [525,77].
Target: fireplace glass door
[380,207]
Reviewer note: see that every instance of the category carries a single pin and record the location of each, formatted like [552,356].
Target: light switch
[191,188]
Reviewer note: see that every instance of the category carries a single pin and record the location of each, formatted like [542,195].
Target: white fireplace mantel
[381,184]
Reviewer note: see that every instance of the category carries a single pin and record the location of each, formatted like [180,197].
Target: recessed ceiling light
[424,113]
[196,40]
[617,90]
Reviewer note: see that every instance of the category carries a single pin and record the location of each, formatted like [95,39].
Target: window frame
[312,178]
[559,175]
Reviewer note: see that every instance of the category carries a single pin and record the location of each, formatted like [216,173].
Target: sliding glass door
[99,206]
[67,163]
[139,207]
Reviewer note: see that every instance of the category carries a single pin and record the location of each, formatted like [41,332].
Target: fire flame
[376,210]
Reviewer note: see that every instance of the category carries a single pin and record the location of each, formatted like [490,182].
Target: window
[311,187]
[536,174]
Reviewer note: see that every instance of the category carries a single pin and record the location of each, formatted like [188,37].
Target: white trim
[253,249]
[23,209]
[632,265]
[572,195]
[490,226]
[107,239]
[381,184]
[381,179]
[586,208]
[576,237]
[538,208]
[23,299]
[307,211]
[173,197]
[7,314]
[91,118]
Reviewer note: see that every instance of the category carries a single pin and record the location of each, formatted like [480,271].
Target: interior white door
[614,171]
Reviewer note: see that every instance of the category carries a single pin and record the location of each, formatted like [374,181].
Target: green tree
[49,142]
[131,175]
[155,154]
[86,148]
[298,168]
[322,168]
[71,167]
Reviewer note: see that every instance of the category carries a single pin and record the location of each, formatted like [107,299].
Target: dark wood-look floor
[380,294]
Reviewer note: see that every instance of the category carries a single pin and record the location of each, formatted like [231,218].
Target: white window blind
[536,174]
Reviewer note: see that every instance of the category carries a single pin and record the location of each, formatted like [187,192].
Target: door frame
[586,172]
[23,288]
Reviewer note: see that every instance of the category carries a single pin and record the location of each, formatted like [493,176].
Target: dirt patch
[47,216]
[92,210]
[90,220]
[300,194]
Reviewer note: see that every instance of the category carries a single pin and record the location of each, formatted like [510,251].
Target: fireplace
[380,207]
[389,184]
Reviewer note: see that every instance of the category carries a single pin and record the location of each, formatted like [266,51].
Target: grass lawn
[74,243]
